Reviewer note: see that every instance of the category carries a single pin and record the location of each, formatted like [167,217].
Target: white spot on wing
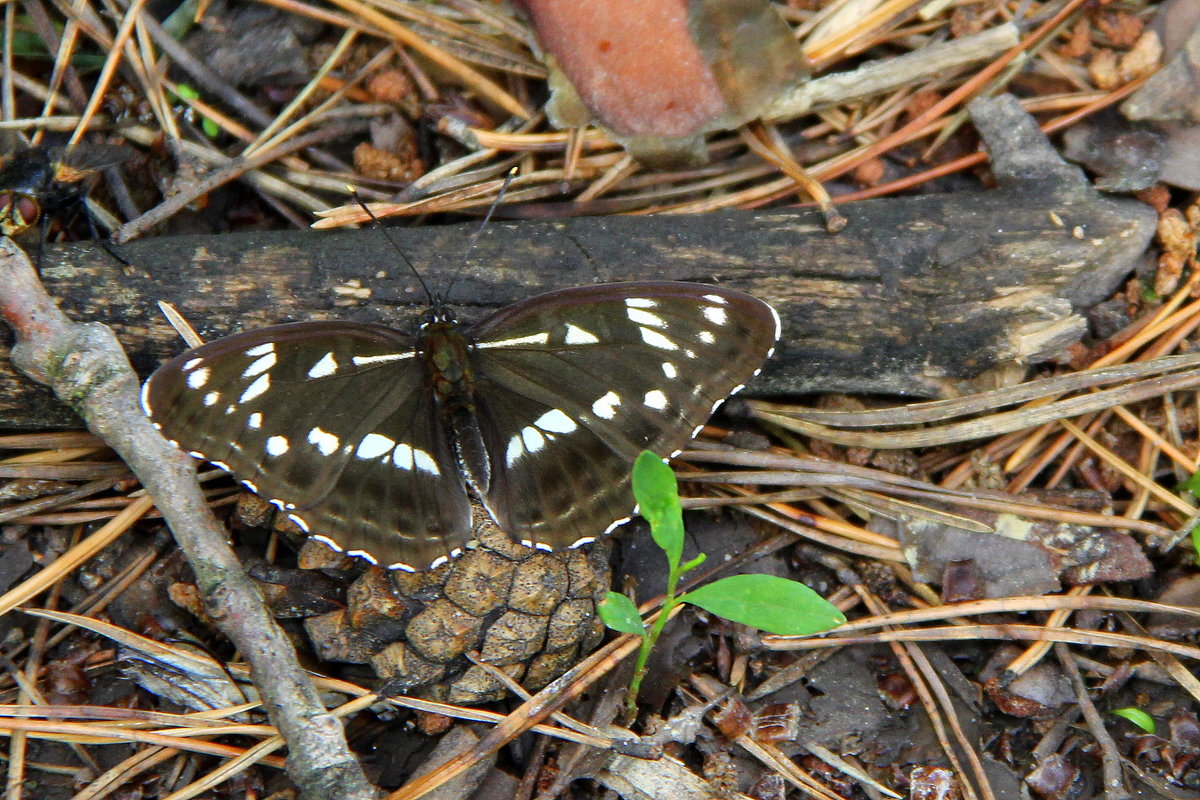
[555,421]
[198,378]
[656,339]
[715,315]
[301,524]
[707,337]
[425,462]
[402,457]
[191,363]
[534,338]
[669,370]
[277,445]
[361,361]
[261,350]
[606,406]
[655,399]
[260,385]
[325,442]
[533,439]
[326,366]
[211,399]
[260,366]
[373,445]
[640,302]
[645,318]
[577,335]
[514,452]
[254,421]
[716,298]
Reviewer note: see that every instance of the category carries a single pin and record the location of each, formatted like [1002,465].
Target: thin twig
[87,368]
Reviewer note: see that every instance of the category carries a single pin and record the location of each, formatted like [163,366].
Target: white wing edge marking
[144,399]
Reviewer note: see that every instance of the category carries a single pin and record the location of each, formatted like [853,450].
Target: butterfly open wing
[334,423]
[572,384]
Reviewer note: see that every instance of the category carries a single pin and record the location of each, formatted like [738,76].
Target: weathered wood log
[915,296]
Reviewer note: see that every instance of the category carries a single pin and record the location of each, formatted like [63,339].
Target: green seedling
[1192,487]
[28,44]
[1137,717]
[185,92]
[766,602]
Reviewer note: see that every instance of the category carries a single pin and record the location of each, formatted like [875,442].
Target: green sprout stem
[650,637]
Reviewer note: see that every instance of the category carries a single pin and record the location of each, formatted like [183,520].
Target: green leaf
[769,603]
[1137,717]
[186,91]
[619,613]
[1196,542]
[1191,485]
[657,494]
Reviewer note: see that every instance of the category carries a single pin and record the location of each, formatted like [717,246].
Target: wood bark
[915,296]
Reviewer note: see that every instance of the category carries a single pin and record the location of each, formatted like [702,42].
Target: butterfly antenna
[508,179]
[375,220]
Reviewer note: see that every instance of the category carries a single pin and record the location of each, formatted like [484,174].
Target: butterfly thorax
[446,352]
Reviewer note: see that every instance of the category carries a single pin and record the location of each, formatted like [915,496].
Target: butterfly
[375,441]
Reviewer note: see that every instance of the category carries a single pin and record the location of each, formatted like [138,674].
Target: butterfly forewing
[351,428]
[332,422]
[573,384]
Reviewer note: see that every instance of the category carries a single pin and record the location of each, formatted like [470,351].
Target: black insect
[39,185]
[375,440]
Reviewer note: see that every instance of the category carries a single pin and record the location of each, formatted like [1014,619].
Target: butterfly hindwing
[573,384]
[333,423]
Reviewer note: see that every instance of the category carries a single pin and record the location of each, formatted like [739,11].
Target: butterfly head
[438,314]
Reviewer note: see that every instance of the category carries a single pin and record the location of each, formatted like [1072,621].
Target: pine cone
[528,612]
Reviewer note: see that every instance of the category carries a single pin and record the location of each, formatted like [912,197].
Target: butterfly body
[447,355]
[375,440]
